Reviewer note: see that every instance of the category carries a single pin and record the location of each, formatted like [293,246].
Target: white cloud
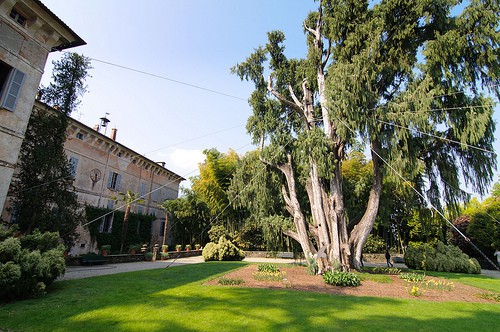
[185,162]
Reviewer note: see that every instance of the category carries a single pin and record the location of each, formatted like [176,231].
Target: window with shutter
[114,181]
[11,87]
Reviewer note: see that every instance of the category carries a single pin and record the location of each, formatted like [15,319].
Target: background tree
[68,82]
[43,192]
[190,218]
[212,184]
[480,222]
[255,192]
[405,77]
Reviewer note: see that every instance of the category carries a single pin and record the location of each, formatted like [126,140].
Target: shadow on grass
[176,299]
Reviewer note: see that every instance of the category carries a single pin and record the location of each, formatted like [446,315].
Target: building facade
[29,31]
[103,168]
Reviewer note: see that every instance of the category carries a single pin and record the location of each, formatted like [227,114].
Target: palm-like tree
[128,197]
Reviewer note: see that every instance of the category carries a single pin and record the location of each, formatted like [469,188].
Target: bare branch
[294,97]
[311,31]
[280,96]
[292,234]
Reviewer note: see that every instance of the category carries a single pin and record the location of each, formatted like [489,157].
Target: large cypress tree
[43,192]
[405,77]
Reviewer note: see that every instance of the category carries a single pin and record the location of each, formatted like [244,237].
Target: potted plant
[178,247]
[197,246]
[188,247]
[148,256]
[105,249]
[133,248]
[164,256]
[164,248]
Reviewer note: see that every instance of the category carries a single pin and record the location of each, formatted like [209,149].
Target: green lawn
[175,299]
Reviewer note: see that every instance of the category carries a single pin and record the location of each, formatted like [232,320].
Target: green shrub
[29,264]
[340,278]
[269,276]
[374,244]
[215,233]
[312,266]
[268,272]
[441,257]
[40,241]
[490,296]
[224,250]
[412,277]
[268,268]
[386,270]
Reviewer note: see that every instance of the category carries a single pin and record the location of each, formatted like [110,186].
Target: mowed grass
[175,299]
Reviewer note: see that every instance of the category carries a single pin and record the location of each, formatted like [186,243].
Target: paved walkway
[79,272]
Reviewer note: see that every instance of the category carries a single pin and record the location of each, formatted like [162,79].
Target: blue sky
[196,42]
[191,41]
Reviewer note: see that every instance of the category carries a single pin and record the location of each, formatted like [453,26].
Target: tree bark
[360,232]
[125,227]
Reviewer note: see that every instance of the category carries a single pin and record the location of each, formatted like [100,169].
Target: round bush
[224,250]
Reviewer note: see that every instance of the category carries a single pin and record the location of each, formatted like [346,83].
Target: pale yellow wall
[97,151]
[25,48]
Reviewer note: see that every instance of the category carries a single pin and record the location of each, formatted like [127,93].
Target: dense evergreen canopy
[409,79]
[43,190]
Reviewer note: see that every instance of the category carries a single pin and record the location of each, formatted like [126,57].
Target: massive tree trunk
[301,234]
[361,230]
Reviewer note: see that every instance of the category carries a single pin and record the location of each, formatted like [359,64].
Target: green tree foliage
[479,223]
[374,245]
[405,77]
[214,180]
[128,197]
[190,217]
[255,191]
[139,228]
[357,176]
[68,82]
[43,191]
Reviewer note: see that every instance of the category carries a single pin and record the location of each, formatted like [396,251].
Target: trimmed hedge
[441,257]
[224,250]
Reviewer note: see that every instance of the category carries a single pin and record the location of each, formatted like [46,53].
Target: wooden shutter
[15,82]
[118,178]
[110,180]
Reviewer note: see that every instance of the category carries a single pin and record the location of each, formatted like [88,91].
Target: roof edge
[78,40]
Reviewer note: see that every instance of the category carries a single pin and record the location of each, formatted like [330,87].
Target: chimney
[113,134]
[96,127]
